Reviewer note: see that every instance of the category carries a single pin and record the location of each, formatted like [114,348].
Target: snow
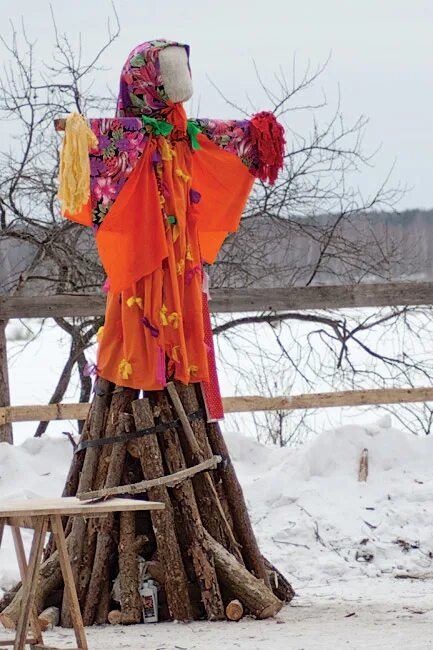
[345,545]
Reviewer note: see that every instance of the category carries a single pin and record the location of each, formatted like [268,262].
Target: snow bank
[319,523]
[312,517]
[37,467]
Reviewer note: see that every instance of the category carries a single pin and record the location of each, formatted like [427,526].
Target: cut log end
[115,617]
[234,610]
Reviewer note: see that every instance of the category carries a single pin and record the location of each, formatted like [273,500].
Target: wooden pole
[5,398]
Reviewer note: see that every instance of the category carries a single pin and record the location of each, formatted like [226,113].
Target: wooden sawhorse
[42,515]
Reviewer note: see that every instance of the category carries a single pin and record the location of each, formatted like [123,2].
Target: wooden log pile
[200,550]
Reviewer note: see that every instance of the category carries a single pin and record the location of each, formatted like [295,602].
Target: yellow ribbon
[180,267]
[125,369]
[175,353]
[175,233]
[174,319]
[134,300]
[163,315]
[189,256]
[182,175]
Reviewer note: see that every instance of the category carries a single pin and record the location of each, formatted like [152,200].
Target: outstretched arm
[258,142]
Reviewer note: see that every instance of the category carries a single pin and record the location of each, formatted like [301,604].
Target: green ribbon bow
[159,127]
[193,130]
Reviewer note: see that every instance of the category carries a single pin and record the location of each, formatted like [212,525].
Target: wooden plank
[5,398]
[72,506]
[30,583]
[238,300]
[328,400]
[47,412]
[246,404]
[68,579]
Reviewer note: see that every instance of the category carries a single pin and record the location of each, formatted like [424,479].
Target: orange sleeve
[131,240]
[224,184]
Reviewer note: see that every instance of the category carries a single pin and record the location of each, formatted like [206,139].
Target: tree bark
[163,520]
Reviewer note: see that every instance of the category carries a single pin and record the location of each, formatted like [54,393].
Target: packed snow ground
[360,555]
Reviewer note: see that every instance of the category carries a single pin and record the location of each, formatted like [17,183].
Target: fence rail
[247,404]
[238,300]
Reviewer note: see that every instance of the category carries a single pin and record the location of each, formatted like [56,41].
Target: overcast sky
[381,60]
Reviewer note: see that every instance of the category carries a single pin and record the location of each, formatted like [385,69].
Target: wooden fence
[223,301]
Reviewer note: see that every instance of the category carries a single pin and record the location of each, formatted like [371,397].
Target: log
[243,529]
[234,610]
[192,527]
[115,617]
[49,618]
[104,604]
[130,601]
[103,390]
[251,591]
[143,486]
[163,520]
[211,510]
[50,578]
[100,535]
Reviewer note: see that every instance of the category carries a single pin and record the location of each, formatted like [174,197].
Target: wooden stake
[363,466]
[5,398]
[163,520]
[143,486]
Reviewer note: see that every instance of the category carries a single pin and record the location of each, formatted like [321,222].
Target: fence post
[5,398]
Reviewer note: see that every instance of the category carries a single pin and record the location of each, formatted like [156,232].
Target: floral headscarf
[142,91]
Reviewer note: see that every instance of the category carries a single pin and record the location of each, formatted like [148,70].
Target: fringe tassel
[268,136]
[74,176]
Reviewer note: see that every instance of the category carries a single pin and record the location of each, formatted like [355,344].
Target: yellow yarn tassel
[133,300]
[167,152]
[193,370]
[189,256]
[180,267]
[182,175]
[163,315]
[174,319]
[175,353]
[74,175]
[125,369]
